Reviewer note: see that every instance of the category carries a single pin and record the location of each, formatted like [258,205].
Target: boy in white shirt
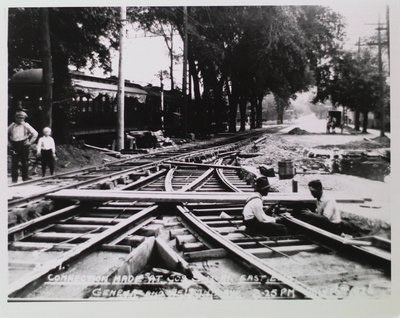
[46,149]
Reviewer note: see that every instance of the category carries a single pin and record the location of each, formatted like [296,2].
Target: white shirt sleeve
[39,146]
[32,131]
[259,212]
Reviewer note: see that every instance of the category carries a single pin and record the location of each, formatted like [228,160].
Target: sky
[146,56]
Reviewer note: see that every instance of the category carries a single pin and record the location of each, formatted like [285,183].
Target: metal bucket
[286,169]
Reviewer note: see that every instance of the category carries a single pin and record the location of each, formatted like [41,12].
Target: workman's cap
[21,114]
[262,183]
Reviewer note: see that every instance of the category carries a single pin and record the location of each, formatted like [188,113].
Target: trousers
[319,221]
[253,226]
[20,154]
[47,161]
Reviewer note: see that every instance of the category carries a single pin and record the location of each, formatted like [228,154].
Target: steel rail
[107,177]
[337,242]
[78,251]
[119,230]
[245,257]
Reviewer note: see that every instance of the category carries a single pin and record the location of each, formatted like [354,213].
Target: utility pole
[184,79]
[381,99]
[162,100]
[121,83]
[380,44]
[47,68]
[388,36]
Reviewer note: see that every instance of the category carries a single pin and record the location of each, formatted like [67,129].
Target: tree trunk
[365,122]
[357,120]
[253,113]
[279,110]
[233,103]
[242,110]
[47,67]
[193,73]
[259,112]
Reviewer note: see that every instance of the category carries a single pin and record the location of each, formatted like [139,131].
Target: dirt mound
[71,157]
[366,143]
[298,131]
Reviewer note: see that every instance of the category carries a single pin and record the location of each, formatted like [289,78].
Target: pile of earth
[274,148]
[298,131]
[366,143]
[71,157]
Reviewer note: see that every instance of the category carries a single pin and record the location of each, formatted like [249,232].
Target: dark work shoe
[27,179]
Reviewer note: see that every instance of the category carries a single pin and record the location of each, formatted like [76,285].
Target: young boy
[46,149]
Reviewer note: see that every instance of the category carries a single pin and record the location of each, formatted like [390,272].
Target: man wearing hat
[255,219]
[20,136]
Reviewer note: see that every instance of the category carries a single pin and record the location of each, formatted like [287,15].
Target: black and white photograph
[202,153]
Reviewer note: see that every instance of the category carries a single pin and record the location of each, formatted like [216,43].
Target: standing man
[255,219]
[327,215]
[20,136]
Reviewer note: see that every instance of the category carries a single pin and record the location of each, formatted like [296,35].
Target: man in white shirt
[327,215]
[255,219]
[20,136]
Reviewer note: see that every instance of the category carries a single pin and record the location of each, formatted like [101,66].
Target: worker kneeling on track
[255,219]
[326,215]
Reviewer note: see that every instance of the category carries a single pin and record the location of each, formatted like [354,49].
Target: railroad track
[149,247]
[29,201]
[49,256]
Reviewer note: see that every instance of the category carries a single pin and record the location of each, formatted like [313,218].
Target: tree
[74,36]
[355,83]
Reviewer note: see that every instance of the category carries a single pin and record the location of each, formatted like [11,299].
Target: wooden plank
[264,252]
[79,250]
[204,255]
[205,165]
[150,230]
[43,220]
[34,246]
[92,220]
[173,197]
[132,240]
[175,232]
[223,223]
[136,228]
[116,248]
[55,237]
[190,247]
[181,239]
[229,229]
[77,228]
